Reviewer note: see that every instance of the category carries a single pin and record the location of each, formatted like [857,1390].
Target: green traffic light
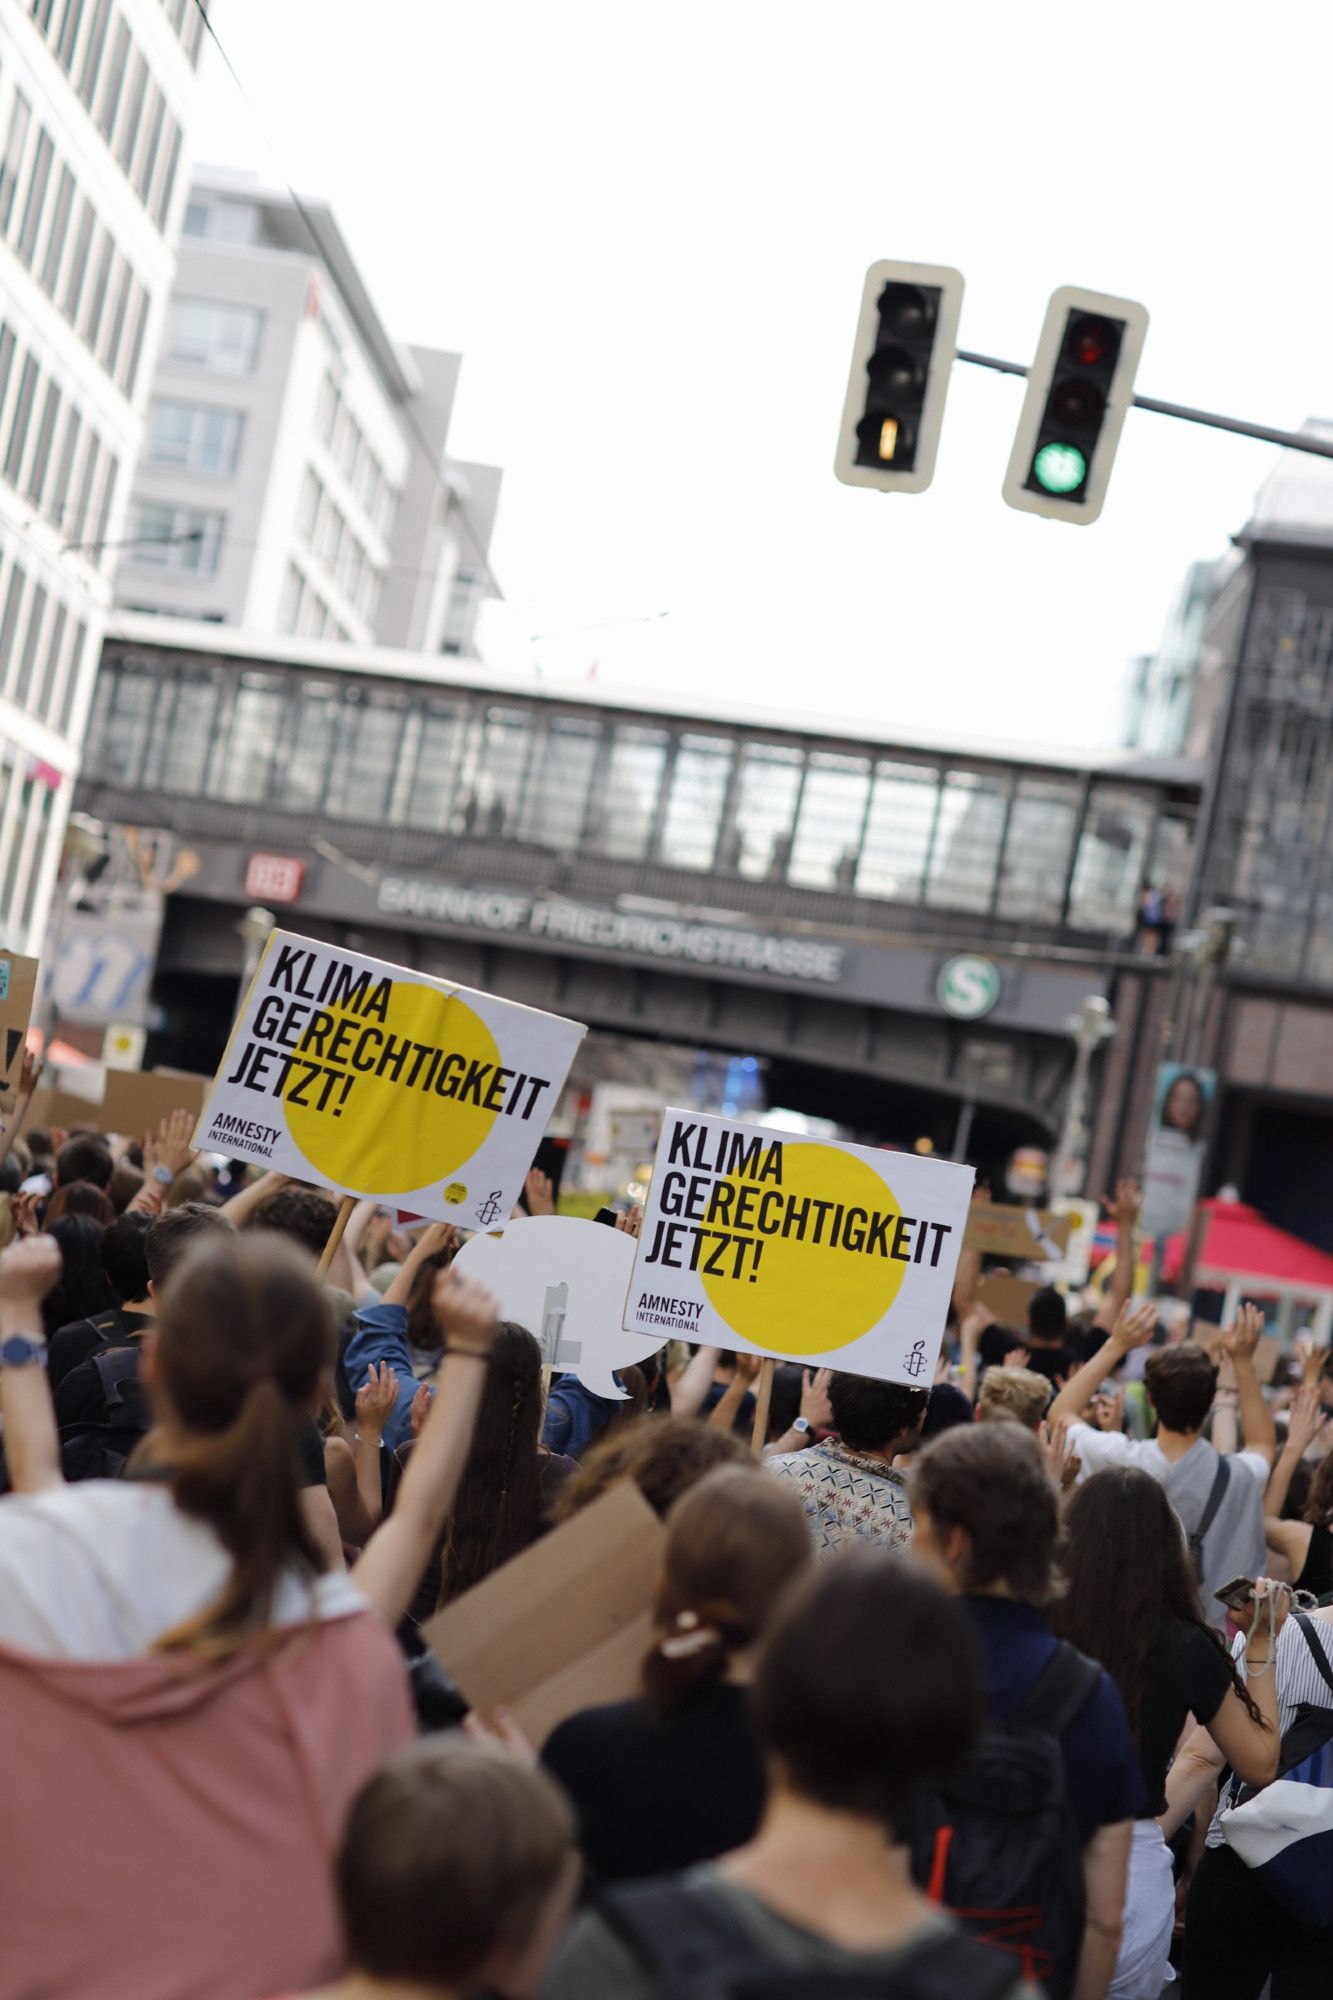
[1059,468]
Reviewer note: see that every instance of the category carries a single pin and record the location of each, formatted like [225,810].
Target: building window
[460,618]
[196,437]
[899,827]
[18,431]
[143,179]
[9,619]
[43,696]
[162,204]
[134,101]
[55,242]
[307,506]
[115,78]
[967,841]
[11,161]
[41,457]
[1108,870]
[69,35]
[92,54]
[326,416]
[252,738]
[78,263]
[224,339]
[6,360]
[694,804]
[557,795]
[40,180]
[1037,850]
[92,318]
[621,819]
[758,843]
[366,758]
[133,350]
[184,540]
[69,446]
[27,666]
[828,828]
[289,608]
[430,801]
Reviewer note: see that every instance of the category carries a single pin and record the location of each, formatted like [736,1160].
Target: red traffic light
[1091,341]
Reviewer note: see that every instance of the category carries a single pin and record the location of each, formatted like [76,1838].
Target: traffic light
[1079,388]
[904,349]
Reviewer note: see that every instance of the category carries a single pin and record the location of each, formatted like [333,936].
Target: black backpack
[101,1447]
[694,1948]
[995,1840]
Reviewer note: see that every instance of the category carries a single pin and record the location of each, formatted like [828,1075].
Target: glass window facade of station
[1056,848]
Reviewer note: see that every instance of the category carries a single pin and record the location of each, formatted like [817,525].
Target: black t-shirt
[69,1345]
[998,1341]
[655,1792]
[1186,1673]
[1317,1569]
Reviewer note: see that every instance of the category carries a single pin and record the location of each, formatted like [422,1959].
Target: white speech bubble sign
[566,1280]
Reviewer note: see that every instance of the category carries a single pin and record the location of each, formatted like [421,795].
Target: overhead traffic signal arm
[1079,388]
[905,343]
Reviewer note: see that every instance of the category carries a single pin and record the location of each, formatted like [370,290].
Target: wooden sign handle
[344,1216]
[763,1397]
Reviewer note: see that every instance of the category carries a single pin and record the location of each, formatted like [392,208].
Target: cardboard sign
[18,985]
[563,1626]
[1008,1298]
[1029,1235]
[61,1110]
[371,1079]
[812,1250]
[1075,1265]
[565,1279]
[136,1101]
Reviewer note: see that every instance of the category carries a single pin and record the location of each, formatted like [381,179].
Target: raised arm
[391,1566]
[439,1236]
[167,1154]
[244,1205]
[1125,1214]
[28,1270]
[693,1382]
[1303,1427]
[1256,1419]
[1134,1328]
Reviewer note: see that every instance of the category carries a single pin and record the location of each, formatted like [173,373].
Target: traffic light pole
[1266,434]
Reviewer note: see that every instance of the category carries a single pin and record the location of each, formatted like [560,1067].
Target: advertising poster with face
[1173,1160]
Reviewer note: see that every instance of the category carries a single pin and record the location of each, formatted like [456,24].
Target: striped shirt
[1298,1680]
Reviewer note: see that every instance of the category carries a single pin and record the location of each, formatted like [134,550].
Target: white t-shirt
[101,1569]
[1234,1545]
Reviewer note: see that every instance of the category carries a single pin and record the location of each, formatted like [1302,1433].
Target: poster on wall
[1173,1158]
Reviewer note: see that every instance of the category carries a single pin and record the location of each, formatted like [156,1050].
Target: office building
[295,477]
[95,97]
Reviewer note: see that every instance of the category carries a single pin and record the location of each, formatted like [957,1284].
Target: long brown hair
[1319,1500]
[244,1335]
[498,1509]
[1127,1571]
[735,1542]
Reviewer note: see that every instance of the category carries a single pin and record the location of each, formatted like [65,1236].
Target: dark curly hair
[664,1456]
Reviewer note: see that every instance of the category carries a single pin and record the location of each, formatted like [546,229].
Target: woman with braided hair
[676,1776]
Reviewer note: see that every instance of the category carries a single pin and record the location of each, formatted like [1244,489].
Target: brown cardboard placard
[137,1100]
[1007,1297]
[18,988]
[1000,1229]
[563,1626]
[61,1110]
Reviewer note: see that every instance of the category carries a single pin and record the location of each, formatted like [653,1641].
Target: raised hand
[465,1312]
[1064,1464]
[1125,1205]
[539,1192]
[376,1399]
[420,1410]
[815,1405]
[1306,1420]
[1017,1357]
[631,1224]
[1240,1341]
[1135,1326]
[29,1268]
[171,1147]
[31,1073]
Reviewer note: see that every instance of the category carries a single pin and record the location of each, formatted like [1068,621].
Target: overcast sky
[646,229]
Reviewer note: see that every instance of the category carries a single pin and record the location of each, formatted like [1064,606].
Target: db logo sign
[274,878]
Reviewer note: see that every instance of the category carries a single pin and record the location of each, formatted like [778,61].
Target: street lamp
[1090,1027]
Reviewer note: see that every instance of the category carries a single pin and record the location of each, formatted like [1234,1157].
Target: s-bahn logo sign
[562,921]
[968,988]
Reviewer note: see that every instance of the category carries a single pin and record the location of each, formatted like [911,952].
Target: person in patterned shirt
[847,1484]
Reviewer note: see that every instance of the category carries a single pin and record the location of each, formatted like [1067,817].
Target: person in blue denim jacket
[388,1332]
[576,1415]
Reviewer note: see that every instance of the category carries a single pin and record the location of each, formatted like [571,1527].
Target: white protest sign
[375,1080]
[814,1251]
[565,1279]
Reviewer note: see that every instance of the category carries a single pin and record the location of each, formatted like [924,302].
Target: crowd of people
[989,1689]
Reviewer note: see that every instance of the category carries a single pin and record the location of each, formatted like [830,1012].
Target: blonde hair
[1017,1393]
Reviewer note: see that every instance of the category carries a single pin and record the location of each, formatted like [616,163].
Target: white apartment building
[294,477]
[95,97]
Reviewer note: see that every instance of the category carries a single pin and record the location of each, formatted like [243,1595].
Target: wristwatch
[163,1174]
[23,1350]
[803,1425]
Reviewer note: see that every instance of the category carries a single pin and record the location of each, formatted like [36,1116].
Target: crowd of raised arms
[991,1688]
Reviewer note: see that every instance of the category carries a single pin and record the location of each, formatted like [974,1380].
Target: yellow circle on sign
[384,1129]
[805,1297]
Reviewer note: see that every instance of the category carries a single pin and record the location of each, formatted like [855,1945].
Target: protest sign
[566,1279]
[1173,1158]
[1007,1298]
[815,1251]
[1030,1235]
[136,1101]
[372,1079]
[18,984]
[565,1625]
[1075,1262]
[61,1110]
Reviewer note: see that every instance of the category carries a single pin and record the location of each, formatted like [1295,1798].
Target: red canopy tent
[1245,1255]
